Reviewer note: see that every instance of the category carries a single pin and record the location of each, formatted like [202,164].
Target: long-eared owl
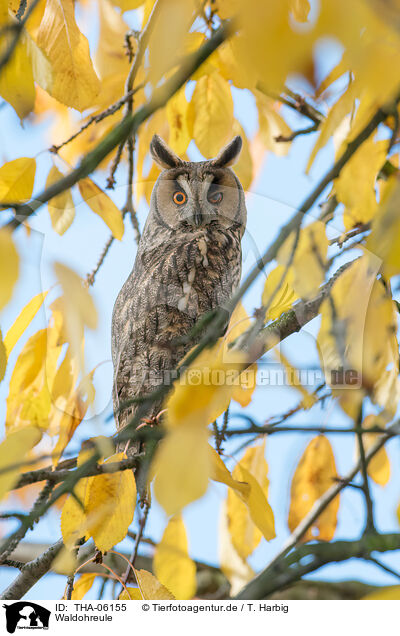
[188,263]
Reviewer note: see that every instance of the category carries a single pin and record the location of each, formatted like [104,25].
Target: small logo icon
[26,615]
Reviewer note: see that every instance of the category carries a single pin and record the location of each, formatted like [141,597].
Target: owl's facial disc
[199,196]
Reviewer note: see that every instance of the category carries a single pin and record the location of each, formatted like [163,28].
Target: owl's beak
[198,217]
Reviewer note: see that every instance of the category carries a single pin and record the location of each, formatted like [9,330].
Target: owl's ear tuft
[162,154]
[228,155]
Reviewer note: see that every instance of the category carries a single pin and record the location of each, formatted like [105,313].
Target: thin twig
[370,525]
[296,133]
[18,28]
[310,557]
[272,429]
[95,119]
[13,564]
[128,126]
[91,277]
[129,207]
[141,48]
[58,475]
[384,567]
[295,102]
[26,523]
[21,10]
[309,520]
[142,525]
[114,165]
[71,577]
[343,238]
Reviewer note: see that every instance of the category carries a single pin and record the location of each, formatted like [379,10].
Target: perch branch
[262,583]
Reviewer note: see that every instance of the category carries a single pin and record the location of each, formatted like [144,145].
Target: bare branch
[31,573]
[128,126]
[261,584]
[308,558]
[138,539]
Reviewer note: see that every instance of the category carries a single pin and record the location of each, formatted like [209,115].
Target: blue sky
[279,188]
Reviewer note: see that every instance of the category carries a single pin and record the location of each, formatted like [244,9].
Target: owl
[188,263]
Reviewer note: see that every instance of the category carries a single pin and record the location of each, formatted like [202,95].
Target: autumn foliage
[178,68]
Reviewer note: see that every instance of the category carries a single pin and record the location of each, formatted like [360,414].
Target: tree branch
[31,573]
[128,126]
[265,581]
[308,558]
[18,28]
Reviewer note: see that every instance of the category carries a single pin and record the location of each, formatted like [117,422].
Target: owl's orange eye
[215,197]
[179,197]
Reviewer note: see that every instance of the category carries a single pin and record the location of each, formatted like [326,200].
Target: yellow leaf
[73,517]
[237,571]
[9,267]
[384,240]
[41,67]
[219,472]
[193,41]
[16,79]
[272,125]
[111,58]
[391,593]
[16,180]
[249,514]
[246,383]
[278,294]
[103,206]
[335,117]
[23,321]
[243,392]
[61,207]
[309,260]
[29,362]
[145,186]
[301,9]
[227,60]
[379,466]
[29,398]
[111,503]
[157,123]
[355,185]
[181,467]
[333,75]
[65,562]
[177,115]
[243,168]
[315,473]
[128,5]
[36,15]
[133,594]
[172,565]
[82,586]
[77,307]
[167,38]
[152,589]
[12,453]
[74,81]
[3,357]
[70,410]
[205,388]
[227,8]
[357,338]
[211,114]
